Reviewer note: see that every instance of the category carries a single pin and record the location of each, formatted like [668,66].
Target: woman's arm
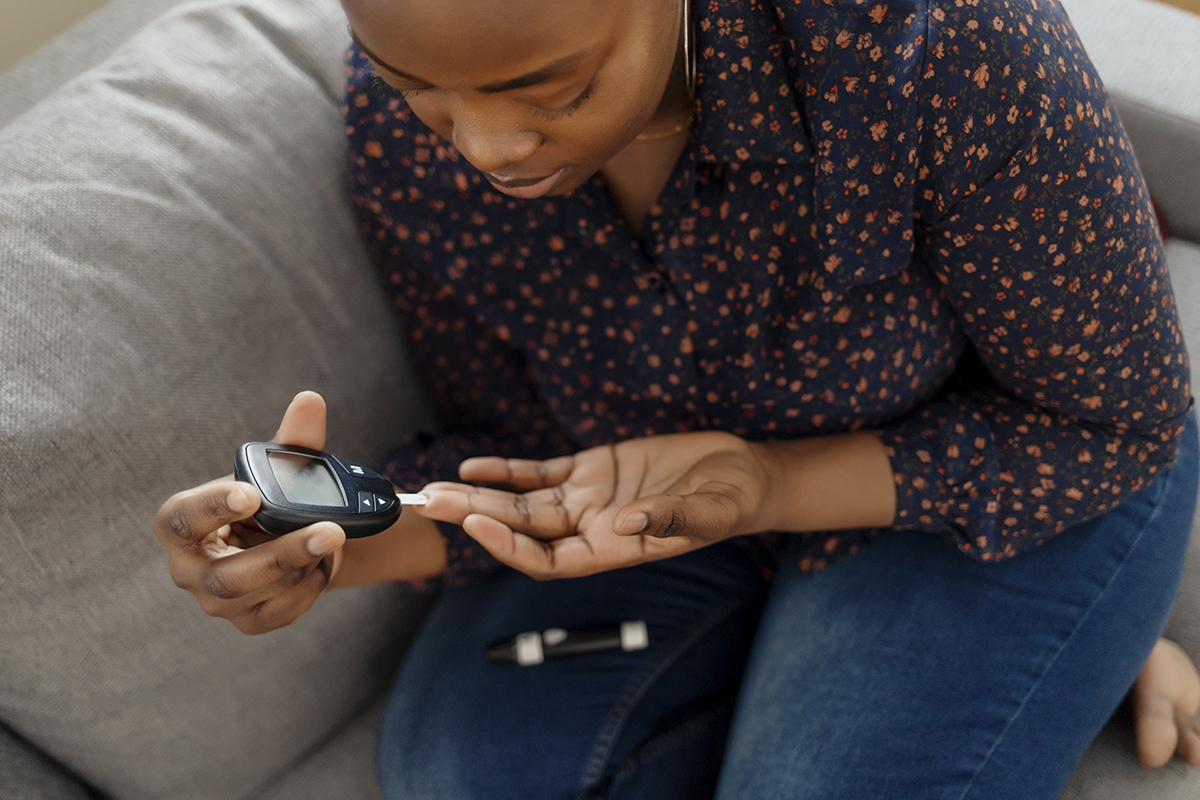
[644,499]
[411,550]
[1034,216]
[828,483]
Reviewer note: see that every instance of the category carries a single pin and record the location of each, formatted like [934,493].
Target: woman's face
[537,94]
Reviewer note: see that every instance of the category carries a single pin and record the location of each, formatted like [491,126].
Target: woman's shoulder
[827,33]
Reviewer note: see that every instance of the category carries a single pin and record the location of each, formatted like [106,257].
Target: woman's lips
[527,189]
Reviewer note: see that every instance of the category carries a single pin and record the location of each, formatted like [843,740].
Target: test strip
[412,499]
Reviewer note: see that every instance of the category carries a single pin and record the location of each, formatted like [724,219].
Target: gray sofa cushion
[178,260]
[343,767]
[26,773]
[80,47]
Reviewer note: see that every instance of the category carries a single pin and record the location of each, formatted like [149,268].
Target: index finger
[520,473]
[540,513]
[189,516]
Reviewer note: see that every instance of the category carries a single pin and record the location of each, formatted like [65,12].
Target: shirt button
[657,283]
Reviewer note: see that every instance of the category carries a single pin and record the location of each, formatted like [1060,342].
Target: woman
[879,281]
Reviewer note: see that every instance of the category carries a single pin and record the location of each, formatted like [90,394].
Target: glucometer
[300,486]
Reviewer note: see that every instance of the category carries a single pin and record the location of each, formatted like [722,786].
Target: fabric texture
[178,260]
[27,774]
[871,197]
[75,51]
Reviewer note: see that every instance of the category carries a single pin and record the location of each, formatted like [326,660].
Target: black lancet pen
[534,647]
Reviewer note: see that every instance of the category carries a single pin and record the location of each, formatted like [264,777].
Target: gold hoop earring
[689,74]
[689,49]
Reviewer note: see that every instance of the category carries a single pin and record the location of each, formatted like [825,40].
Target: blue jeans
[908,670]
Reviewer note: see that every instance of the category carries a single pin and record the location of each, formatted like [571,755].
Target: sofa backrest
[177,260]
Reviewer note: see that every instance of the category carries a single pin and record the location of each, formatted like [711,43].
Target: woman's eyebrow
[380,61]
[549,72]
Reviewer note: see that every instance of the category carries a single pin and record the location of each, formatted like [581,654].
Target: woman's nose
[490,141]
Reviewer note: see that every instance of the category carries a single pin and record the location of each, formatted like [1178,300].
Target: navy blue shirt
[920,218]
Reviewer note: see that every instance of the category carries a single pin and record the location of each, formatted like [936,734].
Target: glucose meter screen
[305,480]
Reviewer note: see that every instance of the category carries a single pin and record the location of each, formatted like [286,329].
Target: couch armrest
[1148,55]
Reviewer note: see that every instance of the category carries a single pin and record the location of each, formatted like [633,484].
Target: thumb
[708,516]
[303,422]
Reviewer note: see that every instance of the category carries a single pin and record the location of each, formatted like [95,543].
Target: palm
[580,514]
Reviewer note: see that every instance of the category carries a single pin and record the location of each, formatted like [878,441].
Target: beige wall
[25,24]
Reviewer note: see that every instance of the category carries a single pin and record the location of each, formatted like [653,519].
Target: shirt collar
[746,103]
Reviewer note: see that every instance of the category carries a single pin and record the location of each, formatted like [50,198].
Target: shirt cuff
[427,458]
[947,472]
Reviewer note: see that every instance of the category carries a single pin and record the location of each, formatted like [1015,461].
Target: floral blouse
[920,218]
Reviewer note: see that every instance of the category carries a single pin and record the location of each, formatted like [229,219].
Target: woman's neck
[637,175]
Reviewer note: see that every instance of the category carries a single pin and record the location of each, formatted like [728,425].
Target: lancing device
[535,647]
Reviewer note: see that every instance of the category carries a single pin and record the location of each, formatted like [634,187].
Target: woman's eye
[382,88]
[570,108]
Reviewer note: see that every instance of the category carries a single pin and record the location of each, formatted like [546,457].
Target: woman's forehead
[474,28]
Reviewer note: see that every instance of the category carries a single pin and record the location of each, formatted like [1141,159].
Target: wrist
[411,550]
[772,507]
[834,482]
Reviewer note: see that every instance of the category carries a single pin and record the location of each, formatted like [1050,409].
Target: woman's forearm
[820,483]
[829,483]
[412,549]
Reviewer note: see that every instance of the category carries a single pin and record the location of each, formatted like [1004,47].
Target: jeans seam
[664,743]
[639,683]
[1145,527]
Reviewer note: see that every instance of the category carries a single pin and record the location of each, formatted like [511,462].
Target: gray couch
[176,261]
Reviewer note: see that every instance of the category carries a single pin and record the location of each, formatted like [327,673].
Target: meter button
[383,502]
[366,502]
[356,470]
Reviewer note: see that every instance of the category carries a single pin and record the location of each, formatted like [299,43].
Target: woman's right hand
[257,581]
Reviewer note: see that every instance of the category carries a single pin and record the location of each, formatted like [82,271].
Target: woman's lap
[458,727]
[907,670]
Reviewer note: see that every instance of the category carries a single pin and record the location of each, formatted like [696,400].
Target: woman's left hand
[609,507]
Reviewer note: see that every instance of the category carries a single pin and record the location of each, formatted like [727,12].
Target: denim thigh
[912,671]
[645,724]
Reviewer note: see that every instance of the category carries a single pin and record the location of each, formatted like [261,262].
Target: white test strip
[412,499]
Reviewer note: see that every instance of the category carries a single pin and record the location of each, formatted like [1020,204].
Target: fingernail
[322,542]
[237,501]
[635,523]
